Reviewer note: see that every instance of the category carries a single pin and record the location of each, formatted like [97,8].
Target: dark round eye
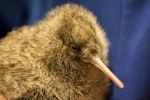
[75,48]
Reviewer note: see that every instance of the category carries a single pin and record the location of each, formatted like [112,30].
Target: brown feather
[37,62]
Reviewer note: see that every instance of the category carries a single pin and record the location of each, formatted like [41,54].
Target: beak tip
[120,85]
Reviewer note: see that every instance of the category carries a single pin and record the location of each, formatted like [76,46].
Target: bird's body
[50,60]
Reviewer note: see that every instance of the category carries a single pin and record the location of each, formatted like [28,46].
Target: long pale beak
[99,64]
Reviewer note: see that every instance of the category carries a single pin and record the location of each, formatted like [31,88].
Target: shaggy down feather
[37,63]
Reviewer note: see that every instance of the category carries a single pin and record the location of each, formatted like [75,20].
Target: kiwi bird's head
[82,37]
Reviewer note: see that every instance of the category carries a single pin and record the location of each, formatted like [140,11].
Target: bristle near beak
[99,64]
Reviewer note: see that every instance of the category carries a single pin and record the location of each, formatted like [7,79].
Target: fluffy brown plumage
[51,60]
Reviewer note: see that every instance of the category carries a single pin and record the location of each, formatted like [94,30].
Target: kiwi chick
[52,60]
